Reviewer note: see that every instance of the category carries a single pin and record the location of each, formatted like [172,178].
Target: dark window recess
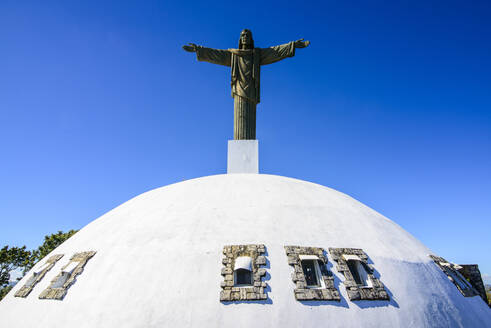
[453,274]
[359,278]
[243,277]
[354,272]
[308,267]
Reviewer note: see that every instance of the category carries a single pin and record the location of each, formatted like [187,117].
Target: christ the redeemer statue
[246,66]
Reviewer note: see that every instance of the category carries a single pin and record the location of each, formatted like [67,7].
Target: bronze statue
[245,63]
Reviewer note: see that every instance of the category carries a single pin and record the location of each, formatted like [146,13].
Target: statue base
[243,156]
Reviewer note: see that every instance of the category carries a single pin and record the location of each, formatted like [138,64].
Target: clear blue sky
[390,104]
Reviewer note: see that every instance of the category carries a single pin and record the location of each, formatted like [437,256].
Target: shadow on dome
[364,304]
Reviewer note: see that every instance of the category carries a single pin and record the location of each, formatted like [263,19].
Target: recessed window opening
[463,283]
[65,275]
[358,270]
[243,277]
[31,281]
[310,273]
[243,271]
[457,277]
[359,273]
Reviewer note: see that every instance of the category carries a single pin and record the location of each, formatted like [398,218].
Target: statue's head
[246,41]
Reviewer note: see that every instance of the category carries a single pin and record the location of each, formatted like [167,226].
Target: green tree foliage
[19,258]
[50,243]
[4,291]
[11,259]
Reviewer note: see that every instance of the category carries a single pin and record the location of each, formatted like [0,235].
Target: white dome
[159,261]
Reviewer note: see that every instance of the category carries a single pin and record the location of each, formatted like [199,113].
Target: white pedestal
[243,156]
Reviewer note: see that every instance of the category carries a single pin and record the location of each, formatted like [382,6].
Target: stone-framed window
[359,280]
[38,275]
[311,277]
[453,274]
[60,284]
[243,274]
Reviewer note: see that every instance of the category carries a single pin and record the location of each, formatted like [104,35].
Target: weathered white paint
[159,258]
[243,156]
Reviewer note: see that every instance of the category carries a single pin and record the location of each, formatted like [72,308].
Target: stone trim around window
[355,292]
[451,270]
[37,277]
[59,293]
[252,293]
[301,291]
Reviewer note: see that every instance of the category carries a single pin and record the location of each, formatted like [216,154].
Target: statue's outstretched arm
[273,54]
[214,56]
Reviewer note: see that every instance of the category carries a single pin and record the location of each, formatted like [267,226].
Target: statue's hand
[190,48]
[301,43]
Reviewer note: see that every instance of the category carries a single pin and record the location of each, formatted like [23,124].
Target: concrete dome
[159,261]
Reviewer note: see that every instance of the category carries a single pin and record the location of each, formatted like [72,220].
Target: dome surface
[159,257]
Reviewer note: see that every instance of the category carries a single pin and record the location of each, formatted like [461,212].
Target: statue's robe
[246,70]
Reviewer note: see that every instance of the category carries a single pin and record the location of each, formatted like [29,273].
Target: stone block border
[35,278]
[59,293]
[447,268]
[355,292]
[253,293]
[302,292]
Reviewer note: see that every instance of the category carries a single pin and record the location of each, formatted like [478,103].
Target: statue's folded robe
[246,71]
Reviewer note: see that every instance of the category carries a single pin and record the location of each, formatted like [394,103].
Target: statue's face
[246,38]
